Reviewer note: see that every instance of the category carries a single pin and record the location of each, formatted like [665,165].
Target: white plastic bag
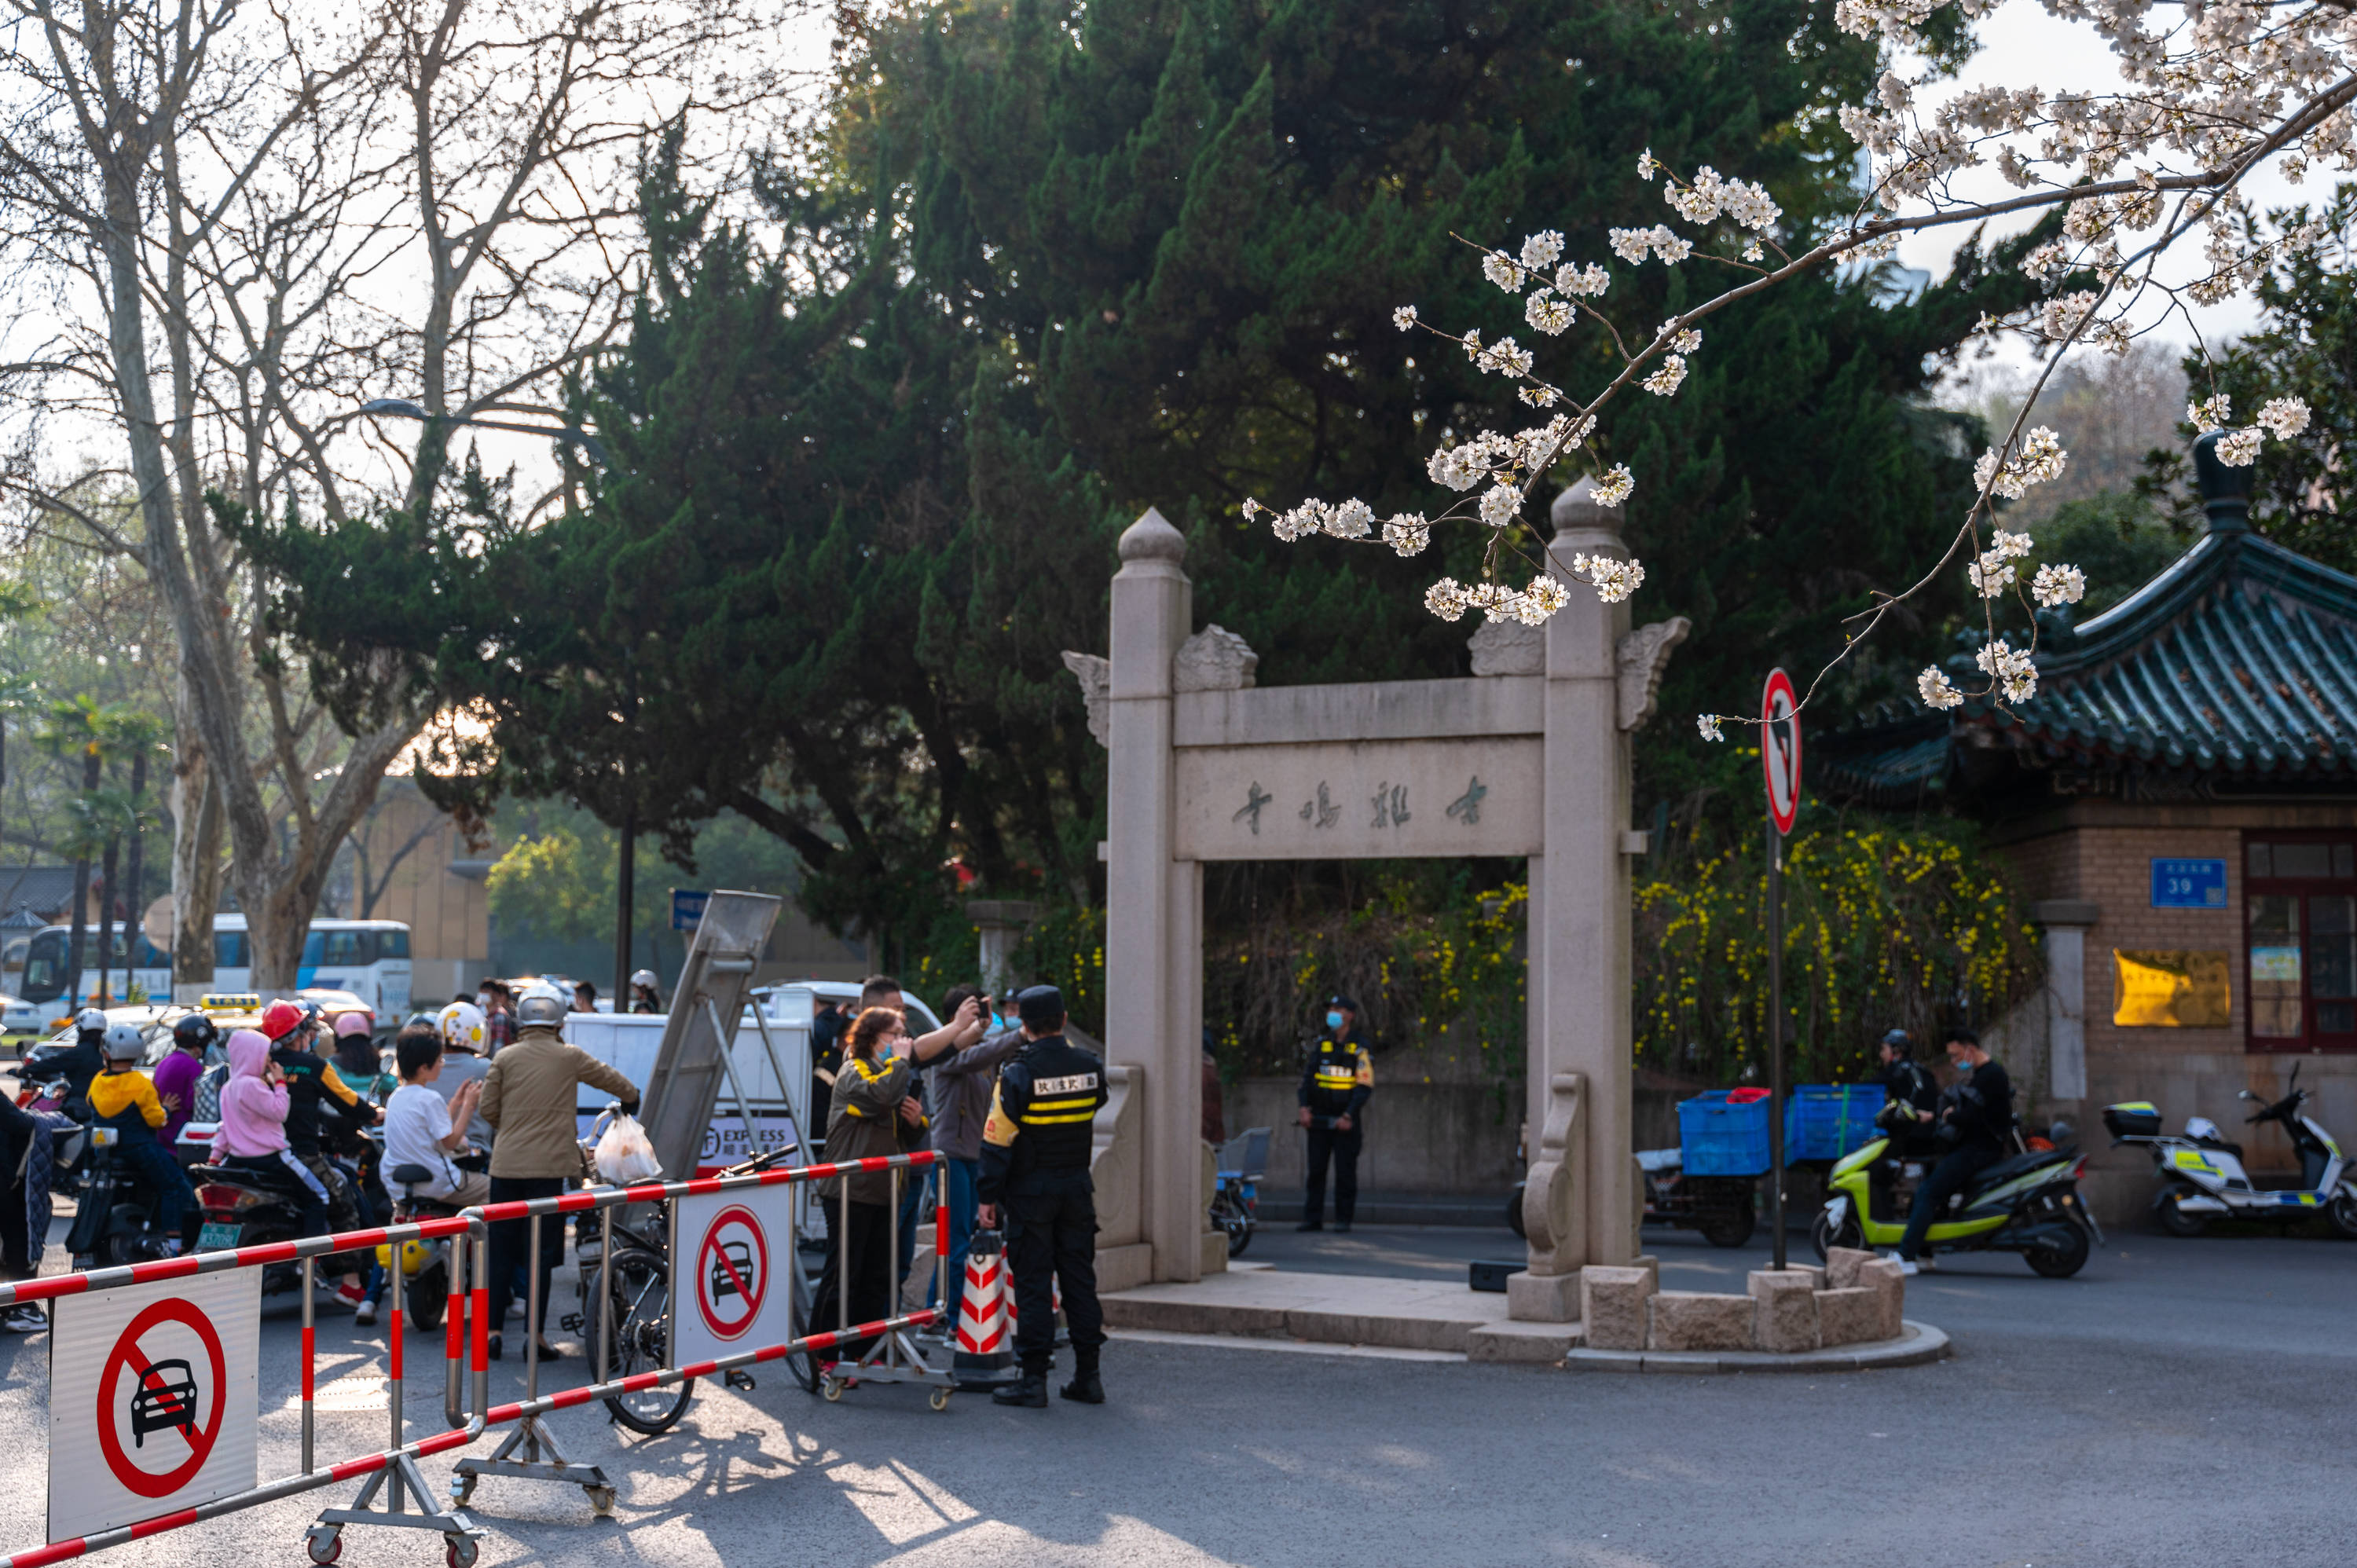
[623,1154]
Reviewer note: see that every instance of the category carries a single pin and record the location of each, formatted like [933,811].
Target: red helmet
[281,1019]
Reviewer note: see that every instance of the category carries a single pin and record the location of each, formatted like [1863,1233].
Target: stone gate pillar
[1154,1000]
[1579,942]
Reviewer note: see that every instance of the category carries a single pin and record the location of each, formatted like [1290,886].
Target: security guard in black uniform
[1336,1083]
[1035,1160]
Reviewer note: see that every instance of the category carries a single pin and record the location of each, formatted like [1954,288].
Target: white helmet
[123,1042]
[645,977]
[541,1005]
[462,1027]
[90,1018]
[2200,1127]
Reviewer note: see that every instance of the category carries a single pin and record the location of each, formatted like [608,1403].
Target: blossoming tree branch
[2208,94]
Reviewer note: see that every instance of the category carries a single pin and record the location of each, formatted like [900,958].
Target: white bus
[368,958]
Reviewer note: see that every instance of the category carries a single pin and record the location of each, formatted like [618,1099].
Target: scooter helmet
[2199,1127]
[1899,1041]
[122,1043]
[645,977]
[281,1019]
[195,1033]
[541,1006]
[461,1024]
[349,1023]
[90,1021]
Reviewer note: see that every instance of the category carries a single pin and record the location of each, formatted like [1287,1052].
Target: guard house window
[2300,938]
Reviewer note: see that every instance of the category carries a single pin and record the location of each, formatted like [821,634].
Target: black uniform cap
[1040,1005]
[1337,1000]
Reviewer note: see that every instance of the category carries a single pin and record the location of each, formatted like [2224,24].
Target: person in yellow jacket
[1336,1083]
[124,1098]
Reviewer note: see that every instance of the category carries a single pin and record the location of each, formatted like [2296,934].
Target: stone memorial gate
[1527,757]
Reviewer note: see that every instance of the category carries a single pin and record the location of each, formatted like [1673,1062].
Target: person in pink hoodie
[252,1136]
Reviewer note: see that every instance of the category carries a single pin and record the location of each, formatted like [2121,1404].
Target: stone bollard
[1889,1286]
[1784,1309]
[1849,1317]
[1697,1320]
[1613,1307]
[1842,1265]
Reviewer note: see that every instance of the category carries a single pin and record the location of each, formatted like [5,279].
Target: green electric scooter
[2028,1203]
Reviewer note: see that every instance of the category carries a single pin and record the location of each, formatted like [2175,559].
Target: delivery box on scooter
[2136,1119]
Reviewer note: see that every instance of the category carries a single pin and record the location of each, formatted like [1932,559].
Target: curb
[1920,1344]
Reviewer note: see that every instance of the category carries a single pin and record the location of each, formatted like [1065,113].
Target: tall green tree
[1192,222]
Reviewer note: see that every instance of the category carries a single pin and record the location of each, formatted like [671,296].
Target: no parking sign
[735,1294]
[152,1399]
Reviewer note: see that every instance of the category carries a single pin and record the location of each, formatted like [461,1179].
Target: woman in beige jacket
[873,1094]
[529,1097]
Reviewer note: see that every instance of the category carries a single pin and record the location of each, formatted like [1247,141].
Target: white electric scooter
[2202,1171]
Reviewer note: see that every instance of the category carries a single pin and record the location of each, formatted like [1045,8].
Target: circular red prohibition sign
[162,1405]
[1780,749]
[725,1266]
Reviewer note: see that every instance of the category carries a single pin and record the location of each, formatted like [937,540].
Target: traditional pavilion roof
[2234,670]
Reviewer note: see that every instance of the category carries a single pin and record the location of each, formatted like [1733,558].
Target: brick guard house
[2179,803]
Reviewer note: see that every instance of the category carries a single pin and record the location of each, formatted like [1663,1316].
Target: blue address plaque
[2188,884]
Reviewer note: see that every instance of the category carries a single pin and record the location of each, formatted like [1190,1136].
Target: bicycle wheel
[635,1287]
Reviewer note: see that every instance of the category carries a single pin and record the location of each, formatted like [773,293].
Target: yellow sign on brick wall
[2166,990]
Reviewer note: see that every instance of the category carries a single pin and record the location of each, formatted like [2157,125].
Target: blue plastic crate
[1826,1120]
[1715,1138]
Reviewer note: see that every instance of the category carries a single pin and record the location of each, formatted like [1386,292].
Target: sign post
[1780,759]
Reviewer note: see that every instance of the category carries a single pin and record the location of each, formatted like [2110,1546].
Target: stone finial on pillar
[1151,538]
[1000,923]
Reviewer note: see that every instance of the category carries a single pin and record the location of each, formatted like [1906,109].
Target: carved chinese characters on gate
[1388,806]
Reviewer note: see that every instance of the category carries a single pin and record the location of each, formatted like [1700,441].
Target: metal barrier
[531,1451]
[397,1462]
[408,1502]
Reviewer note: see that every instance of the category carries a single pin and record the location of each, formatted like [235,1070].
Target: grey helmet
[645,977]
[90,1020]
[541,1006]
[123,1042]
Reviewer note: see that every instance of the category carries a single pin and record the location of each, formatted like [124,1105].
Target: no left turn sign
[1780,749]
[733,1295]
[152,1401]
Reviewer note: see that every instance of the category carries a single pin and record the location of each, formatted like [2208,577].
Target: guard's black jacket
[1047,1096]
[1339,1078]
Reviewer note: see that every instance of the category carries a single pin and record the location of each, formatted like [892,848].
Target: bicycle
[632,1288]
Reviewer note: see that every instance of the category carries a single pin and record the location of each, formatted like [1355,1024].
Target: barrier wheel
[462,1552]
[325,1549]
[831,1386]
[602,1500]
[462,1489]
[941,1399]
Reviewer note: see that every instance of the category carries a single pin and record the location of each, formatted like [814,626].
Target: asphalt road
[2178,1402]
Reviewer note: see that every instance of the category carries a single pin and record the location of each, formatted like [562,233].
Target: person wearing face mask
[1975,1119]
[962,1083]
[1336,1084]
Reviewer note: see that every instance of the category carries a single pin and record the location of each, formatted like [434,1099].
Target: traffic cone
[985,1357]
[1063,1336]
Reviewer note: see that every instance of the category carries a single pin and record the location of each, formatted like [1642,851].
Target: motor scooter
[2028,1203]
[2201,1172]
